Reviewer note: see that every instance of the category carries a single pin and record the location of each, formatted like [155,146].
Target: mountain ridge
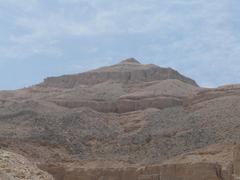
[125,71]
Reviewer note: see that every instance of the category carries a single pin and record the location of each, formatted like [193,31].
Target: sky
[41,38]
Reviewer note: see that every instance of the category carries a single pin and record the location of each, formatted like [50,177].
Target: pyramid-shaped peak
[128,70]
[130,61]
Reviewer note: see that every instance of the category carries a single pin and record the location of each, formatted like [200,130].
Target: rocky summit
[128,121]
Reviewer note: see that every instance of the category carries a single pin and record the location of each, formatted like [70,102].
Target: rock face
[16,167]
[130,113]
[215,162]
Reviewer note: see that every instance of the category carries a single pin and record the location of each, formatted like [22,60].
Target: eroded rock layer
[215,162]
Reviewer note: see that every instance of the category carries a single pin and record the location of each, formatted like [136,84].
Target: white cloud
[180,32]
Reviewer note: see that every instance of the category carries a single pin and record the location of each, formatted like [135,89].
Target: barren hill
[125,115]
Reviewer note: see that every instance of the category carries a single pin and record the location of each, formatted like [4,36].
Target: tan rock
[16,167]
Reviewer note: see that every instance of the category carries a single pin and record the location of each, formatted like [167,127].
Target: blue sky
[40,38]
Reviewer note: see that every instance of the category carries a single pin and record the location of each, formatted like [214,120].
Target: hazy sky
[40,38]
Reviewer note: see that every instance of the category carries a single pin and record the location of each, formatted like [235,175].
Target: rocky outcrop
[199,171]
[16,167]
[215,162]
[60,173]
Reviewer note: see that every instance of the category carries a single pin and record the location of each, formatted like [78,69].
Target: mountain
[127,71]
[122,121]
